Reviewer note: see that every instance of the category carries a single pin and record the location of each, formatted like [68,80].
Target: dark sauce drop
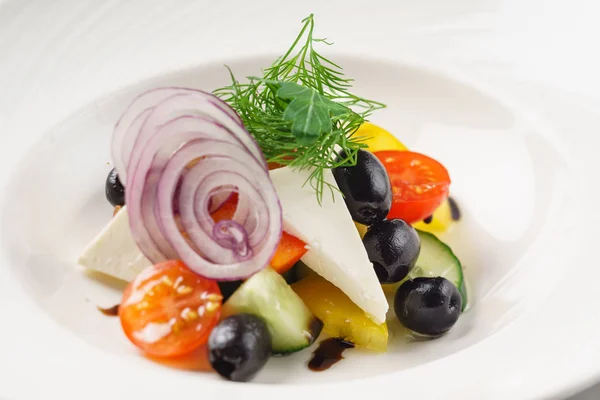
[428,219]
[454,210]
[328,353]
[110,311]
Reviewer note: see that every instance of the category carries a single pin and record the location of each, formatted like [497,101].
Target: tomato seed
[181,290]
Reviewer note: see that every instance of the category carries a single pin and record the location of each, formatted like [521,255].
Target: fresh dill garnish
[301,111]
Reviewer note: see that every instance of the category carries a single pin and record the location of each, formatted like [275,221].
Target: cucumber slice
[437,259]
[292,325]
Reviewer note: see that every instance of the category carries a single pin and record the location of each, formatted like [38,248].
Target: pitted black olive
[366,188]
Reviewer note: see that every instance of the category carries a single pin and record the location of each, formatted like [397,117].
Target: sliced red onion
[182,153]
[234,236]
[155,155]
[132,120]
[152,109]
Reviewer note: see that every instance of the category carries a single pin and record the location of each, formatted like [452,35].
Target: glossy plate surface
[521,156]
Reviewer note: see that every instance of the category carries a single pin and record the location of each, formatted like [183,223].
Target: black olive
[366,188]
[428,306]
[239,347]
[115,192]
[393,247]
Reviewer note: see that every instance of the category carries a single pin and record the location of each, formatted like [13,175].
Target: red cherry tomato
[168,310]
[419,184]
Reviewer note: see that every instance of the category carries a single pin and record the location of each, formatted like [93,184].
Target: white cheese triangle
[336,251]
[114,251]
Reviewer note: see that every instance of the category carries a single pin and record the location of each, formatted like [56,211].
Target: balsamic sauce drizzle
[328,353]
[110,311]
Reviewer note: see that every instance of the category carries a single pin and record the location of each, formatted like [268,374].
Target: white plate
[522,165]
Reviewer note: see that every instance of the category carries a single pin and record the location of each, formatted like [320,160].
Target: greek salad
[262,216]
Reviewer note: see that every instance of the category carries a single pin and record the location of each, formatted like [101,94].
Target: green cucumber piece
[266,294]
[437,259]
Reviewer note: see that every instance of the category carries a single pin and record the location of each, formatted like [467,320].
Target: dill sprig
[301,111]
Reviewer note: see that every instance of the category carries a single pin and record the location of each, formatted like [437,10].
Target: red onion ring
[182,153]
[184,101]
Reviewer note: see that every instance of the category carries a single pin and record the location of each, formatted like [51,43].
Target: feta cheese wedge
[114,251]
[336,251]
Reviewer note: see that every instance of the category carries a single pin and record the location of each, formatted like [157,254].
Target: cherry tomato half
[168,310]
[419,184]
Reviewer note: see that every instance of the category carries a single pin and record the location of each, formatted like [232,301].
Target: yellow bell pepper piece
[441,221]
[378,138]
[341,317]
[362,229]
